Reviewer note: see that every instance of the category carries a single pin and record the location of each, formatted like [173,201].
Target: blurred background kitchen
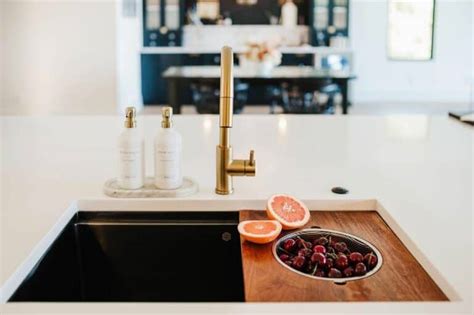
[328,57]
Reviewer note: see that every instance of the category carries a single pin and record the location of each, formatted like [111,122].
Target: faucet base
[224,192]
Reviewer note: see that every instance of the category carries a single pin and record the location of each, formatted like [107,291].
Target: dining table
[180,76]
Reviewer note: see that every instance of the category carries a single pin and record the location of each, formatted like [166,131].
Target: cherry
[356,257]
[298,262]
[334,273]
[289,244]
[360,269]
[308,244]
[342,262]
[329,263]
[320,273]
[371,260]
[319,258]
[288,262]
[305,252]
[340,247]
[348,272]
[319,249]
[321,241]
[284,257]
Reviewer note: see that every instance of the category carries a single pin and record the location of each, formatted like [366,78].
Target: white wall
[446,78]
[59,56]
[129,43]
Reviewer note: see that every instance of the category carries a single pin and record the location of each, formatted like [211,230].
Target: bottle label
[131,166]
[167,166]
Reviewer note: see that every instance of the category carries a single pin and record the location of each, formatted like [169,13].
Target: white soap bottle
[131,147]
[289,14]
[168,150]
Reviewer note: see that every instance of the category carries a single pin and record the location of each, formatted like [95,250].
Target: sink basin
[141,257]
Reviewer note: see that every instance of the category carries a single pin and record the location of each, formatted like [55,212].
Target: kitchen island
[416,171]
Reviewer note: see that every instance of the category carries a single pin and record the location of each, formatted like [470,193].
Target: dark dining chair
[298,100]
[205,97]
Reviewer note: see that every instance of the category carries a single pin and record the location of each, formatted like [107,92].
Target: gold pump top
[130,117]
[166,114]
[226,100]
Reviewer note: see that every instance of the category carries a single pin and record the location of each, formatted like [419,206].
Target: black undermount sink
[140,257]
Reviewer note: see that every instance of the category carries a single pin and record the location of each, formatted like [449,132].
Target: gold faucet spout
[226,100]
[226,166]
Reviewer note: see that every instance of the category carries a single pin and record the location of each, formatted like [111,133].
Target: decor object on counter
[131,172]
[168,150]
[149,190]
[289,14]
[288,210]
[260,231]
[261,56]
[327,255]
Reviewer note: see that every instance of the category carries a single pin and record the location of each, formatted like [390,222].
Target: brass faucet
[226,167]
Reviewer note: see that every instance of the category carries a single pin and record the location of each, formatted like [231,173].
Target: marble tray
[112,189]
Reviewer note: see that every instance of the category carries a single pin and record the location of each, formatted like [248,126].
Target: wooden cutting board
[401,277]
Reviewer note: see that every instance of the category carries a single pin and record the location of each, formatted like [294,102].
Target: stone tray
[112,189]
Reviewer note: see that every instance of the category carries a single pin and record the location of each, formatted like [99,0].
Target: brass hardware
[166,115]
[130,117]
[226,167]
[226,100]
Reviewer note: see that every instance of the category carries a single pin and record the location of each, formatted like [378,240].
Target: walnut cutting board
[401,277]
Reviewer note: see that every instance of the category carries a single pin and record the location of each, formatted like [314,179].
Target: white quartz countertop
[419,168]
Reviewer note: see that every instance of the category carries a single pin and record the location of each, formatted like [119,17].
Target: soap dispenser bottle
[289,14]
[168,147]
[131,153]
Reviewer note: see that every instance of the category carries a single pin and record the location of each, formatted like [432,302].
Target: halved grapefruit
[260,231]
[288,210]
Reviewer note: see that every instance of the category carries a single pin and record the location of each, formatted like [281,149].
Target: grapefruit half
[260,231]
[288,210]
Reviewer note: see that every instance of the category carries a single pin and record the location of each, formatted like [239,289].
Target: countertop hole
[339,190]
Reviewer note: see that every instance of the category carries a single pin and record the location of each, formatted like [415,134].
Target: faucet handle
[252,158]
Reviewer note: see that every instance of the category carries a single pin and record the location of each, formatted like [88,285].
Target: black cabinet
[328,18]
[163,22]
[297,60]
[154,87]
[201,59]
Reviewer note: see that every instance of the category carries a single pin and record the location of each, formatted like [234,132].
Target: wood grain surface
[401,277]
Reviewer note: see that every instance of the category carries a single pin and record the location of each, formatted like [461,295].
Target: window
[410,29]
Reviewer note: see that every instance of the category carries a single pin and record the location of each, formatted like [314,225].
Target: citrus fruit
[259,231]
[288,210]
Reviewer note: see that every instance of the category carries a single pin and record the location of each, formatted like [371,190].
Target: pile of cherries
[325,257]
